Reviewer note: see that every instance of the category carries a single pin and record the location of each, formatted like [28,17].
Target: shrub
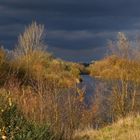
[14,125]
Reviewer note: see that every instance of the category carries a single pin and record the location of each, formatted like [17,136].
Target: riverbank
[124,129]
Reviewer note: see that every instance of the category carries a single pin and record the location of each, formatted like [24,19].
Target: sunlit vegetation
[124,129]
[14,125]
[113,67]
[40,98]
[117,96]
[31,59]
[122,62]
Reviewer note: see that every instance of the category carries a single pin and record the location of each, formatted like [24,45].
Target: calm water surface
[89,85]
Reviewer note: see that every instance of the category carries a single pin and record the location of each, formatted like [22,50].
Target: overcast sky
[77,30]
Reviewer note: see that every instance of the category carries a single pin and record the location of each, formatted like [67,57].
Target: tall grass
[124,129]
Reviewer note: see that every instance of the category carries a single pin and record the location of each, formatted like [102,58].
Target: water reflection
[88,83]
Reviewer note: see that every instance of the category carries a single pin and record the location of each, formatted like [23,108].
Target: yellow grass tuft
[124,129]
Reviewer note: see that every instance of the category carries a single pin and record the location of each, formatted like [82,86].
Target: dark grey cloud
[76,29]
[77,7]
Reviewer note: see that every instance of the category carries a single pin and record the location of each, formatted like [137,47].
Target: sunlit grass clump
[124,129]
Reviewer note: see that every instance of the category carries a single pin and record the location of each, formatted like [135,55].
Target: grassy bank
[124,129]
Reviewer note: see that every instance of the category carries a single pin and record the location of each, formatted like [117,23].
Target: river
[89,84]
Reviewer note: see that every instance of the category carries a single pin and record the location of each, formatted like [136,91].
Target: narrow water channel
[88,83]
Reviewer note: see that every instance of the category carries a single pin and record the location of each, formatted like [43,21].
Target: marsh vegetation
[40,96]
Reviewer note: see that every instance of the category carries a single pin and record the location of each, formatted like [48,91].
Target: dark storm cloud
[74,7]
[73,26]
